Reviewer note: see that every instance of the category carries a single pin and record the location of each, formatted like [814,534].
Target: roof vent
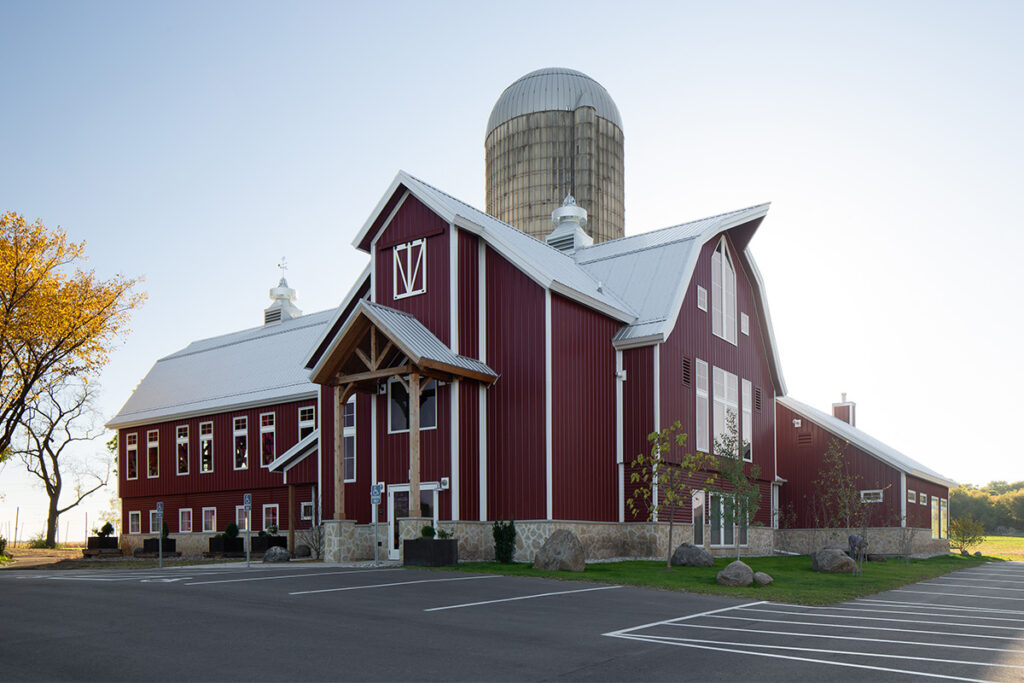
[283,306]
[569,220]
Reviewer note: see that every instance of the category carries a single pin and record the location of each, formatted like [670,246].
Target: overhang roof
[297,453]
[865,442]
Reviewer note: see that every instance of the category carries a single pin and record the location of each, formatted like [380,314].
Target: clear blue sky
[197,143]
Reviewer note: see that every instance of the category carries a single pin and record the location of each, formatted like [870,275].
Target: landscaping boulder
[832,560]
[303,550]
[562,550]
[737,573]
[964,553]
[690,555]
[977,553]
[276,553]
[762,579]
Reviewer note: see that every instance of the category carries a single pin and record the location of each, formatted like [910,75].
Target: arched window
[723,293]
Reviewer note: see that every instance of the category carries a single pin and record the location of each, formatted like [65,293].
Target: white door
[398,506]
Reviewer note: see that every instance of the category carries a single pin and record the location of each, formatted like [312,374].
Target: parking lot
[321,622]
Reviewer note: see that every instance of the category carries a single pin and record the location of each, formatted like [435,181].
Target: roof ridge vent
[282,305]
[569,234]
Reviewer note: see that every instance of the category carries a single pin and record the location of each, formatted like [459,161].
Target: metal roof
[554,89]
[865,442]
[296,454]
[233,371]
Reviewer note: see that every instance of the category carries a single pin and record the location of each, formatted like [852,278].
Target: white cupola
[569,234]
[282,306]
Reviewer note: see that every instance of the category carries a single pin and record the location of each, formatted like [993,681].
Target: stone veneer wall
[881,540]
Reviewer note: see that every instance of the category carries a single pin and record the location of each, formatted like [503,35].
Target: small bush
[38,542]
[504,541]
[965,533]
[231,530]
[105,530]
[444,534]
[427,532]
[272,530]
[164,531]
[3,545]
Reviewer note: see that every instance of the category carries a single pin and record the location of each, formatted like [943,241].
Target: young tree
[737,479]
[837,501]
[55,323]
[52,424]
[669,472]
[965,533]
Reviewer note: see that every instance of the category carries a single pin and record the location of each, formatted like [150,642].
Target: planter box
[101,543]
[261,543]
[223,544]
[151,545]
[426,552]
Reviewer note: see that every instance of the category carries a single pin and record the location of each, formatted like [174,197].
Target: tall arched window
[723,293]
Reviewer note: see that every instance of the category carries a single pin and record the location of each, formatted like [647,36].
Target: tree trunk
[51,521]
[671,521]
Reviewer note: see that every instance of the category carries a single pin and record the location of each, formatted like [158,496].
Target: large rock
[832,560]
[690,555]
[762,579]
[562,550]
[276,553]
[737,573]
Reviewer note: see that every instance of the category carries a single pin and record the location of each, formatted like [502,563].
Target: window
[871,496]
[726,388]
[748,422]
[702,298]
[350,439]
[182,443]
[154,522]
[307,421]
[723,294]
[703,439]
[306,510]
[270,517]
[206,447]
[745,324]
[241,433]
[943,519]
[410,268]
[135,522]
[131,456]
[922,498]
[697,500]
[936,524]
[241,517]
[185,520]
[152,454]
[267,439]
[722,511]
[398,406]
[209,520]
[911,496]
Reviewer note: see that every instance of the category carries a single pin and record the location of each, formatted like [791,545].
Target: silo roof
[553,89]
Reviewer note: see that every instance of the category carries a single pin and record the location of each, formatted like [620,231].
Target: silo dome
[556,132]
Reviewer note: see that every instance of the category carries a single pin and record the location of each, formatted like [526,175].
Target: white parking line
[663,622]
[930,605]
[957,577]
[521,597]
[398,583]
[863,628]
[957,595]
[901,621]
[289,576]
[967,585]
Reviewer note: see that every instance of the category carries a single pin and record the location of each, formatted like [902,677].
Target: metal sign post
[375,501]
[248,528]
[160,534]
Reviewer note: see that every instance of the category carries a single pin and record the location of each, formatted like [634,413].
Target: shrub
[965,533]
[231,530]
[504,541]
[164,530]
[443,534]
[38,542]
[272,530]
[427,532]
[105,530]
[3,545]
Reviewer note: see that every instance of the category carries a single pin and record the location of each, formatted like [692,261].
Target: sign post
[375,501]
[160,536]
[248,528]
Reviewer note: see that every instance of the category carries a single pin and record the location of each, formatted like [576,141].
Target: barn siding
[920,516]
[637,418]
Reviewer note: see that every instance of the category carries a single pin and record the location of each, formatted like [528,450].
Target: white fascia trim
[160,418]
[453,387]
[373,439]
[767,319]
[903,499]
[619,434]
[367,273]
[548,440]
[364,231]
[482,354]
[637,342]
[657,421]
[590,302]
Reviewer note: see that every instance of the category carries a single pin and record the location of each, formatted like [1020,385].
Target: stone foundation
[339,540]
[188,544]
[881,540]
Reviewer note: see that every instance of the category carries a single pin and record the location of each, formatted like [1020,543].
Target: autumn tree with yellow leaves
[58,321]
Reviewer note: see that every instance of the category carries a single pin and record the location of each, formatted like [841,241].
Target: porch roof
[297,453]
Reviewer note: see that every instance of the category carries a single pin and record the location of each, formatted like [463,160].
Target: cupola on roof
[553,89]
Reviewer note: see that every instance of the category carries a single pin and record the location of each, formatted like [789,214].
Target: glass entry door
[398,507]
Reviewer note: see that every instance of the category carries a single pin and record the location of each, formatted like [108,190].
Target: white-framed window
[922,498]
[911,496]
[268,439]
[410,268]
[720,511]
[745,324]
[726,390]
[185,520]
[398,406]
[350,439]
[152,454]
[241,434]
[205,447]
[135,522]
[943,518]
[307,421]
[702,298]
[871,496]
[181,441]
[241,518]
[270,518]
[306,510]
[154,522]
[131,456]
[723,293]
[209,519]
[936,523]
[703,438]
[747,428]
[697,499]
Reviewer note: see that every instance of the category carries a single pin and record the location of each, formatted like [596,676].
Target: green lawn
[1003,547]
[794,580]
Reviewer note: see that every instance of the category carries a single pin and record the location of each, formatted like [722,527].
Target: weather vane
[283,265]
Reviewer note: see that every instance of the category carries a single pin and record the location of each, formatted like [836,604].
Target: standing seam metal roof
[553,89]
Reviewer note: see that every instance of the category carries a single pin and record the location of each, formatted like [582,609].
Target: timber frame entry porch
[375,344]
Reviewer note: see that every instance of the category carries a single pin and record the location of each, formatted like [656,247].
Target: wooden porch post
[339,453]
[414,445]
[292,518]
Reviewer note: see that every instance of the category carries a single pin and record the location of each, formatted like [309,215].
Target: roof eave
[637,342]
[287,397]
